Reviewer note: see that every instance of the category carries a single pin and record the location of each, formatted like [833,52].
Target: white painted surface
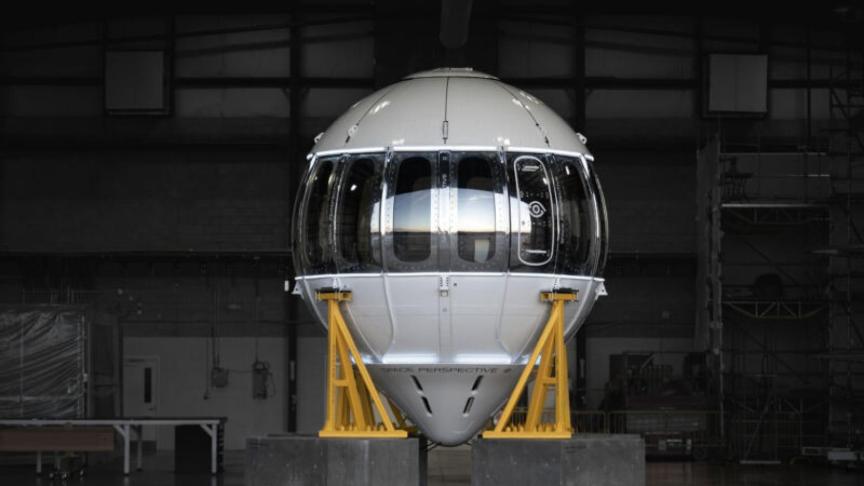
[184,360]
[136,401]
[478,108]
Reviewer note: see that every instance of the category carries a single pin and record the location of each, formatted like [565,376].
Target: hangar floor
[452,467]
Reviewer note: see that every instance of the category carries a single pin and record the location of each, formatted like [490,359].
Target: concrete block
[584,460]
[303,460]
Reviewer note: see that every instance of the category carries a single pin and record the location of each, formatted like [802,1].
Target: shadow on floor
[447,467]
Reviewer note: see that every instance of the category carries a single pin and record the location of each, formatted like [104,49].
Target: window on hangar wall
[136,82]
[737,85]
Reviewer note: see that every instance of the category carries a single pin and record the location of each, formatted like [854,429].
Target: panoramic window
[357,215]
[600,201]
[475,209]
[316,224]
[574,243]
[536,221]
[412,210]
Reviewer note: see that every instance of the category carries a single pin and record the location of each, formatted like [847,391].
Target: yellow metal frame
[351,394]
[551,373]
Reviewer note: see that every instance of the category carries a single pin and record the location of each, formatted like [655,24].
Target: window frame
[326,263]
[501,247]
[444,193]
[601,217]
[343,265]
[391,172]
[577,162]
[544,160]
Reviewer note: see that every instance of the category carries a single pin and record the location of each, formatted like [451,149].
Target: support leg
[39,463]
[562,387]
[126,440]
[551,373]
[332,394]
[123,430]
[213,432]
[349,385]
[214,462]
[140,433]
[541,386]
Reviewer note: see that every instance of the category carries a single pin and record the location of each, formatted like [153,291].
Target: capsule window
[576,235]
[536,223]
[475,210]
[357,215]
[603,220]
[412,210]
[317,254]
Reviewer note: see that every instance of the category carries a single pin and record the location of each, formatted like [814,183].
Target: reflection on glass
[600,201]
[576,226]
[356,215]
[412,210]
[475,210]
[569,219]
[536,226]
[317,224]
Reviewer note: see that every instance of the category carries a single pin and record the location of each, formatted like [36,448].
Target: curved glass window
[412,210]
[603,219]
[576,238]
[357,221]
[316,251]
[536,224]
[475,210]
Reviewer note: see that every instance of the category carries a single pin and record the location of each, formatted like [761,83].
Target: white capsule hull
[428,337]
[447,202]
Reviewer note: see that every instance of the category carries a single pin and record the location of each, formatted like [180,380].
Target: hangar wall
[144,202]
[182,390]
[111,200]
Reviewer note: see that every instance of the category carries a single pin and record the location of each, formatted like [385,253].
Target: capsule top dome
[450,72]
[455,107]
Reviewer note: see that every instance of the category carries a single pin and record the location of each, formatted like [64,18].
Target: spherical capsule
[446,203]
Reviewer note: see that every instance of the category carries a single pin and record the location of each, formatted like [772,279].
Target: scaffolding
[767,213]
[781,265]
[844,356]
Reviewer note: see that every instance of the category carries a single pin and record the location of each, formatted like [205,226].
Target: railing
[774,435]
[702,427]
[774,176]
[582,421]
[695,432]
[590,421]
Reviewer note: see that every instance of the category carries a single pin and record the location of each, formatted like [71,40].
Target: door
[140,389]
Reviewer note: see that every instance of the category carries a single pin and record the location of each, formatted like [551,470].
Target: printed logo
[536,209]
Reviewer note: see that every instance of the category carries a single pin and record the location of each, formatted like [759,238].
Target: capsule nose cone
[449,404]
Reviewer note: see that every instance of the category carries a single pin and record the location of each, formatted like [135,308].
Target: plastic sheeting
[42,362]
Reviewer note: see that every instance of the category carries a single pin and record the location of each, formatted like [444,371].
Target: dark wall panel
[145,200]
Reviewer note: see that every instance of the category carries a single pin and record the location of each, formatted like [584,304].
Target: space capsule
[446,203]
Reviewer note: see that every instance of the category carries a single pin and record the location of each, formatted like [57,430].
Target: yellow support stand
[351,394]
[551,373]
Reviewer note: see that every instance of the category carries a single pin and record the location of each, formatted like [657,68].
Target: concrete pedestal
[297,460]
[584,460]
